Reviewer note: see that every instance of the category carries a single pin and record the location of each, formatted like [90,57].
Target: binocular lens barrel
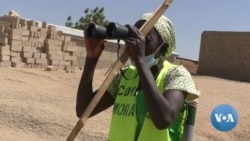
[117,31]
[113,31]
[96,31]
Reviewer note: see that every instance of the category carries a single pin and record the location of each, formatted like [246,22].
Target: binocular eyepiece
[112,31]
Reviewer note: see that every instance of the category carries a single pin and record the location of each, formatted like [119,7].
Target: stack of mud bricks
[24,44]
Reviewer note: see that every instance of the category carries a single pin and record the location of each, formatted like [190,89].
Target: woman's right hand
[94,47]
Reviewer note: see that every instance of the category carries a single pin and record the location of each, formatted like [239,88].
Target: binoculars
[111,31]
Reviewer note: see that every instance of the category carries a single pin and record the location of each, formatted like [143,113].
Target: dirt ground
[37,105]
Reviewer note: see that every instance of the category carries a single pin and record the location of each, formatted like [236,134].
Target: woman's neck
[155,70]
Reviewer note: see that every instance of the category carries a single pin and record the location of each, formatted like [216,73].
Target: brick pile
[23,43]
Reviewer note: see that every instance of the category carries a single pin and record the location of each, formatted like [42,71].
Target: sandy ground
[37,105]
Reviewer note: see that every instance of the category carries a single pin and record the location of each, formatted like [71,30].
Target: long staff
[148,25]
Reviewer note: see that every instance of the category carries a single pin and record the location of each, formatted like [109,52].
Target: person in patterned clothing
[149,97]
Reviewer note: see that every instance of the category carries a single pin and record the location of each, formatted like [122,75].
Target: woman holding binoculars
[150,97]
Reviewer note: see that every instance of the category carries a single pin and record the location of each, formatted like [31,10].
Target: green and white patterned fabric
[177,78]
[166,30]
[180,79]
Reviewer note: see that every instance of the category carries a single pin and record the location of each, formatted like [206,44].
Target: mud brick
[66,57]
[58,52]
[4,51]
[24,27]
[53,51]
[28,60]
[74,58]
[45,25]
[66,53]
[5,46]
[10,19]
[61,38]
[61,67]
[41,61]
[16,31]
[43,55]
[40,43]
[53,42]
[39,66]
[60,33]
[59,48]
[49,41]
[73,63]
[15,59]
[4,35]
[62,62]
[49,51]
[27,54]
[29,65]
[37,55]
[3,41]
[43,36]
[54,62]
[71,68]
[25,32]
[32,28]
[51,68]
[15,36]
[50,46]
[68,68]
[33,43]
[27,49]
[15,42]
[66,43]
[5,23]
[2,28]
[67,38]
[5,64]
[17,64]
[25,38]
[69,48]
[43,30]
[16,26]
[39,34]
[25,43]
[73,53]
[4,57]
[23,21]
[7,30]
[15,53]
[52,27]
[54,56]
[16,48]
[33,34]
[51,36]
[31,23]
[39,49]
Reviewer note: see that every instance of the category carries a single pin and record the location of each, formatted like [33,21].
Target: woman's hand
[94,47]
[135,44]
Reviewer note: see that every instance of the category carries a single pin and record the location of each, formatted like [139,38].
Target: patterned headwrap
[166,30]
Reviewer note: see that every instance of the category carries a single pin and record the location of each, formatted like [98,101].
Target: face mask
[150,59]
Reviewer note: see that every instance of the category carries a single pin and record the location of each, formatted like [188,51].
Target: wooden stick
[148,25]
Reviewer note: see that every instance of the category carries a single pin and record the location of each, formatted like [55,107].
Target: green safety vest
[130,120]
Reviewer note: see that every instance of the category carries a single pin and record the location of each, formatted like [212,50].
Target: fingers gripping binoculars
[111,31]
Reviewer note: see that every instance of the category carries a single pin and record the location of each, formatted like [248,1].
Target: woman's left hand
[135,44]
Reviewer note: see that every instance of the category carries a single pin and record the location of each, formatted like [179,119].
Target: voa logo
[224,117]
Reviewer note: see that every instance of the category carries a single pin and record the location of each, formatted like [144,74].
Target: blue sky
[190,18]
